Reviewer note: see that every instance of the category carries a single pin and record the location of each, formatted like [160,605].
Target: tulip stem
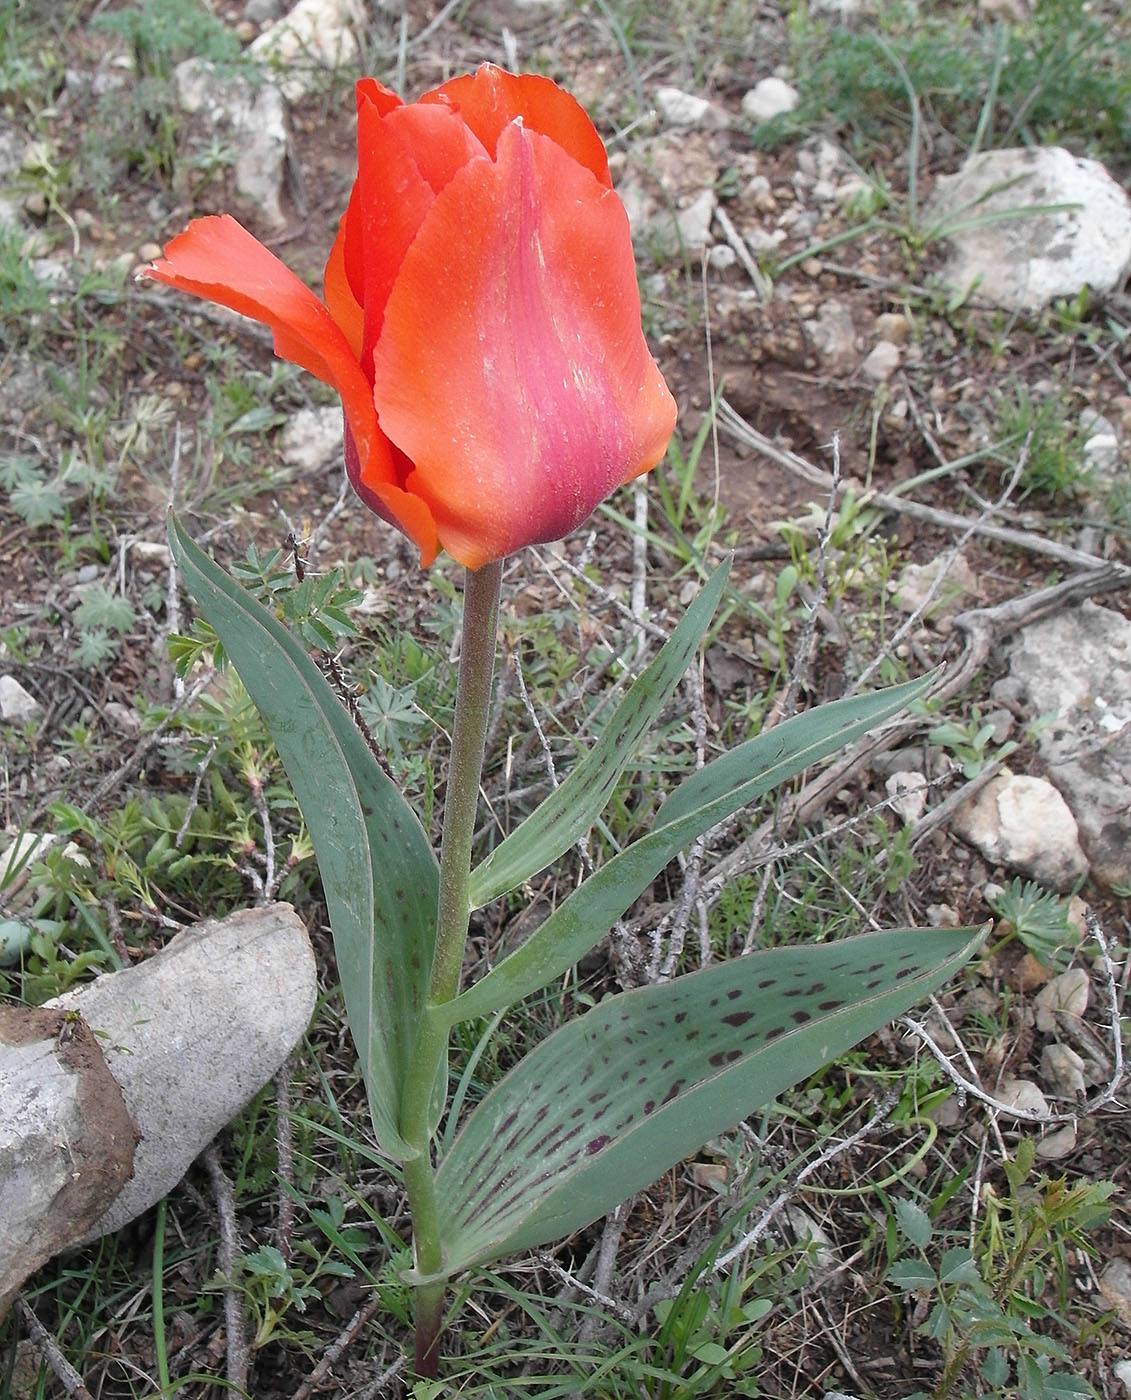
[461,803]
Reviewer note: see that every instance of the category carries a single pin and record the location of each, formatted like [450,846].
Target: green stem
[473,705]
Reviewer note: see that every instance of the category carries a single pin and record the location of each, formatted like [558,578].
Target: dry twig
[48,1348]
[239,1352]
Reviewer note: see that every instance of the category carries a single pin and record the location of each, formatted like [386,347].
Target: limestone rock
[253,120]
[1023,263]
[1076,666]
[1066,995]
[694,222]
[312,440]
[1062,1070]
[772,97]
[832,333]
[908,796]
[193,1033]
[1023,823]
[881,362]
[916,582]
[1023,1095]
[66,1139]
[1115,1285]
[1057,1143]
[312,39]
[16,705]
[680,108]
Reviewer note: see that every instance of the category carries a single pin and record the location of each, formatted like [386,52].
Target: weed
[1065,75]
[1055,467]
[988,1301]
[1038,919]
[969,742]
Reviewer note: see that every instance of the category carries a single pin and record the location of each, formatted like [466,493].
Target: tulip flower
[481,317]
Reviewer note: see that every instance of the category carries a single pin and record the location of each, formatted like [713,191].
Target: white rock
[16,705]
[916,581]
[1115,1285]
[312,439]
[694,222]
[253,117]
[315,37]
[1062,1070]
[832,333]
[881,362]
[1102,456]
[908,796]
[1023,263]
[152,552]
[772,97]
[1066,995]
[262,11]
[1122,1373]
[193,1032]
[1076,667]
[680,108]
[1023,823]
[721,257]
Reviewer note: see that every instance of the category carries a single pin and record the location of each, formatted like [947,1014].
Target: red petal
[338,294]
[511,366]
[217,259]
[490,99]
[405,156]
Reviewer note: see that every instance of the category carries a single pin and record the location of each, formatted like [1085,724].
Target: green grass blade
[703,799]
[378,870]
[571,809]
[613,1099]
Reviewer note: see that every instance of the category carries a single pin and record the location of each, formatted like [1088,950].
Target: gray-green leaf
[613,1099]
[378,871]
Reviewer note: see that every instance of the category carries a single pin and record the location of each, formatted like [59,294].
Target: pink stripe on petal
[511,366]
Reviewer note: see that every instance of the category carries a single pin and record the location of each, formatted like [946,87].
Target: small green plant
[1038,919]
[989,1304]
[161,33]
[969,742]
[1055,467]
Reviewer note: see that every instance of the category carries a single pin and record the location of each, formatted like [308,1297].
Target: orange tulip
[481,319]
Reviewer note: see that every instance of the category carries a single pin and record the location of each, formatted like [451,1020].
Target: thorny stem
[473,703]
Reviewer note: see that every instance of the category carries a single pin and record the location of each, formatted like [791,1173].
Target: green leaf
[378,871]
[707,797]
[571,809]
[811,736]
[958,1267]
[1061,1386]
[914,1222]
[613,1099]
[103,610]
[910,1274]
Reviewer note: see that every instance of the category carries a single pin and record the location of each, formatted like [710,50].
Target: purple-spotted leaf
[378,871]
[613,1099]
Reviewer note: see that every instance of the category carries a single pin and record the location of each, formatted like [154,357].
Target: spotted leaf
[613,1099]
